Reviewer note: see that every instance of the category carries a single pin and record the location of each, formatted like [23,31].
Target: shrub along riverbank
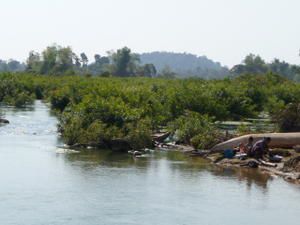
[97,110]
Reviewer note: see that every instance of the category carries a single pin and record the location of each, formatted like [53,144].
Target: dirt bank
[288,168]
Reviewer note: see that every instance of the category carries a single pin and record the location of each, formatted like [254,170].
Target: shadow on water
[249,176]
[117,159]
[92,159]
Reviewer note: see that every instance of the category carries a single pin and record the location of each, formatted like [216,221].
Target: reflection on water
[176,161]
[249,176]
[41,186]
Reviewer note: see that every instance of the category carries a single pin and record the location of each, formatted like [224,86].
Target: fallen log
[278,140]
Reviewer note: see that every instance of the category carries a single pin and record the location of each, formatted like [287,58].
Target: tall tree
[84,59]
[253,64]
[77,62]
[124,63]
[34,62]
[50,57]
[65,61]
[53,60]
[147,70]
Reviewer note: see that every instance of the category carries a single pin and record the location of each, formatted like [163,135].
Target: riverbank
[288,168]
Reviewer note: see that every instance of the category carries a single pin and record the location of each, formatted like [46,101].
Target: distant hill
[185,65]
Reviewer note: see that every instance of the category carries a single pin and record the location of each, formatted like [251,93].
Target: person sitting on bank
[241,148]
[249,145]
[245,149]
[260,148]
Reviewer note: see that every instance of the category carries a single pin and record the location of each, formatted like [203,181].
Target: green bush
[72,132]
[196,129]
[139,135]
[288,119]
[18,100]
[243,129]
[206,140]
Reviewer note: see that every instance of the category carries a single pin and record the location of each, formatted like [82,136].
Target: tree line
[254,64]
[58,60]
[11,66]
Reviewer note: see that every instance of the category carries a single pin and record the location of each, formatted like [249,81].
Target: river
[42,185]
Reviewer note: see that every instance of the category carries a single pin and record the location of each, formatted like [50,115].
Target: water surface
[41,186]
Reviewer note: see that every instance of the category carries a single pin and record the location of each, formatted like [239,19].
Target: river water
[42,185]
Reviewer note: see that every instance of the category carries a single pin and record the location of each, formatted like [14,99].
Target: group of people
[255,149]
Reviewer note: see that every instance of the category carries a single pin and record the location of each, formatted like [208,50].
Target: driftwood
[278,140]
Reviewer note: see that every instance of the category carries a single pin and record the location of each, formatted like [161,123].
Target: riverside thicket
[94,110]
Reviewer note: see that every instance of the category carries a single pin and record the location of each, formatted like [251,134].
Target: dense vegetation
[95,110]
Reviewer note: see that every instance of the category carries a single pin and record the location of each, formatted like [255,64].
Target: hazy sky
[223,30]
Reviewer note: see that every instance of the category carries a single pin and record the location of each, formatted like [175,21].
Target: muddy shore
[288,168]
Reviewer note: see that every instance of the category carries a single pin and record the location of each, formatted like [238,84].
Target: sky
[223,30]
